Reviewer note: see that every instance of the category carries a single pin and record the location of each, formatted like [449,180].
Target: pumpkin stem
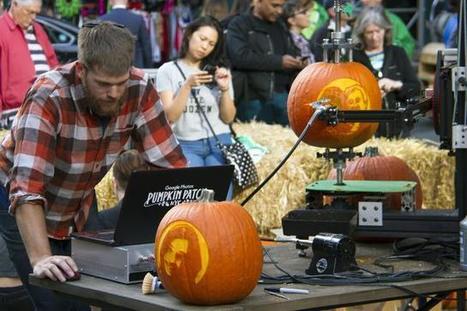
[371,152]
[207,195]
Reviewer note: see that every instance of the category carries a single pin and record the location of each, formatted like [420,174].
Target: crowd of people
[237,61]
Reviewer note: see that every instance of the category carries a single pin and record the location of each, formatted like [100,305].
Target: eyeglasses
[302,11]
[99,22]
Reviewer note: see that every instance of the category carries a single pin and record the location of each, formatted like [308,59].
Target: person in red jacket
[25,52]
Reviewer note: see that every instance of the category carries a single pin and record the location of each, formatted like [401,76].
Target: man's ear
[291,21]
[80,70]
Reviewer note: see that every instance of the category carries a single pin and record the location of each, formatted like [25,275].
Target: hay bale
[286,191]
[105,192]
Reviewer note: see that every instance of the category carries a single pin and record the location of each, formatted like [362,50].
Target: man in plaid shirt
[72,125]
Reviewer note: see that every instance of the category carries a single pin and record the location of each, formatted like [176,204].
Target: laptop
[151,194]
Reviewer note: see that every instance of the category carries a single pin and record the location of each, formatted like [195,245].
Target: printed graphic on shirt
[192,107]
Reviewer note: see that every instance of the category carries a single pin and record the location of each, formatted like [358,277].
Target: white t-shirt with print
[191,125]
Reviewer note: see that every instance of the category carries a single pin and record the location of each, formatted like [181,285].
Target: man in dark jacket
[264,62]
[135,23]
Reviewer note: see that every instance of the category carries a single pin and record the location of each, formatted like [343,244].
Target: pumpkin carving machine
[350,104]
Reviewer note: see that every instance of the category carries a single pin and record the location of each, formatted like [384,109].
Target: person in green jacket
[400,34]
[317,17]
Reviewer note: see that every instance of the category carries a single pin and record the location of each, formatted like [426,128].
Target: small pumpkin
[373,166]
[207,252]
[349,86]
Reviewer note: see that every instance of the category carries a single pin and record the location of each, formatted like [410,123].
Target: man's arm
[31,224]
[2,78]
[47,47]
[401,35]
[153,136]
[242,55]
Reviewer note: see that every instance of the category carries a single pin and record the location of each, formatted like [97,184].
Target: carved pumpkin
[376,167]
[349,86]
[208,253]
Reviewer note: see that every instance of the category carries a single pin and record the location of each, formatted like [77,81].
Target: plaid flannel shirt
[57,150]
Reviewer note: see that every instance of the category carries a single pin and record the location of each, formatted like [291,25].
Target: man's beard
[96,105]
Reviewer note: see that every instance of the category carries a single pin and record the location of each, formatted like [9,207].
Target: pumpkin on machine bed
[373,166]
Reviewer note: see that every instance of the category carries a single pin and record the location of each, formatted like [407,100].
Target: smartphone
[210,69]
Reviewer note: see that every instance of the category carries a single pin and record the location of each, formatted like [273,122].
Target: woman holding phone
[198,83]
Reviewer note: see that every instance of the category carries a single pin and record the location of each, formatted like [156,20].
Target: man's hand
[31,224]
[57,268]
[290,62]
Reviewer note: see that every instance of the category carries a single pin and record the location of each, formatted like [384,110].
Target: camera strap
[199,106]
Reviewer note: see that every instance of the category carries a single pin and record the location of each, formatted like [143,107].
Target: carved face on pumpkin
[181,242]
[347,91]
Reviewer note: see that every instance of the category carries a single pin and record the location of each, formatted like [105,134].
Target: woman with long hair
[195,87]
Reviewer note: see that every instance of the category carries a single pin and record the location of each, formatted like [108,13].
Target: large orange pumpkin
[377,167]
[208,253]
[349,86]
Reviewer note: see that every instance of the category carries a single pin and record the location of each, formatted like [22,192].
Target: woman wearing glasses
[296,15]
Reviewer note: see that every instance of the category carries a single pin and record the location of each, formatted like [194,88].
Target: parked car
[63,36]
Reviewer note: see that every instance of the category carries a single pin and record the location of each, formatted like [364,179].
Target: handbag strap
[199,106]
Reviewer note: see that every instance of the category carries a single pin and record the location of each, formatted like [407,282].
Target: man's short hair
[27,2]
[290,8]
[107,47]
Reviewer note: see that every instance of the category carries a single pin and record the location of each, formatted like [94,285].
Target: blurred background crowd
[419,22]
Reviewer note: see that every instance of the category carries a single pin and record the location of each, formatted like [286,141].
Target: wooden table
[102,292]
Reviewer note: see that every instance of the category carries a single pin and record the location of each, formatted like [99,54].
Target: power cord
[319,109]
[434,251]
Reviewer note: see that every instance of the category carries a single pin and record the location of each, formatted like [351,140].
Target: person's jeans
[43,299]
[272,111]
[204,152]
[15,299]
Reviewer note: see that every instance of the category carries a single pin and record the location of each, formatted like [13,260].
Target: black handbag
[245,174]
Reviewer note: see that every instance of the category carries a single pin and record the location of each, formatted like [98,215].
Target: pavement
[424,130]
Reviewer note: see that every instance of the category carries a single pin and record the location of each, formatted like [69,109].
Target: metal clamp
[145,259]
[458,79]
[370,213]
[408,200]
[459,136]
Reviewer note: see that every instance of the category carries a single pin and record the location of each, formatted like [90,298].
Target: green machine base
[375,189]
[362,186]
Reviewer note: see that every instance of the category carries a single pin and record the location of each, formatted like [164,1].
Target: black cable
[423,251]
[318,110]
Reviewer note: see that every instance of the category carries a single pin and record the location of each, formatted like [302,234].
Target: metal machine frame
[399,224]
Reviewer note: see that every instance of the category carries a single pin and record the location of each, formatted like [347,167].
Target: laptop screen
[150,195]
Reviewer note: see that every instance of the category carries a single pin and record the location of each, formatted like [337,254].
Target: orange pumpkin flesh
[382,168]
[349,86]
[208,253]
